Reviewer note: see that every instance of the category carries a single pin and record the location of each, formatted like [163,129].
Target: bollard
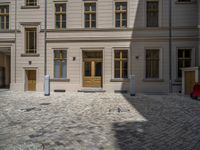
[132,85]
[47,85]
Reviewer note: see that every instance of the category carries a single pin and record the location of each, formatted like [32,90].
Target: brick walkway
[98,121]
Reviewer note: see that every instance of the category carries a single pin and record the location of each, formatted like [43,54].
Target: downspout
[170,46]
[15,41]
[45,37]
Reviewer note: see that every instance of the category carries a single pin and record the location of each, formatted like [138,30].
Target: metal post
[15,41]
[45,37]
[170,46]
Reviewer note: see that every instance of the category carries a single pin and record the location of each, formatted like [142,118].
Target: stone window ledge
[191,2]
[30,7]
[30,55]
[119,80]
[59,80]
[178,80]
[153,80]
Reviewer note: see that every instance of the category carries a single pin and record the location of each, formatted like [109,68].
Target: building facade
[98,44]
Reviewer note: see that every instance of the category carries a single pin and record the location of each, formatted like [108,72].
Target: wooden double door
[189,81]
[30,80]
[92,69]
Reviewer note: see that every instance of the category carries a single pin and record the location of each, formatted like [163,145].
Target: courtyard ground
[97,121]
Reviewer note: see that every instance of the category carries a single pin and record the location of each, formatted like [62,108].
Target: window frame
[28,4]
[27,51]
[60,13]
[90,15]
[121,12]
[5,14]
[159,13]
[152,59]
[160,78]
[60,59]
[121,59]
[192,59]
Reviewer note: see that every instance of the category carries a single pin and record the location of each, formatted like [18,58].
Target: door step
[92,90]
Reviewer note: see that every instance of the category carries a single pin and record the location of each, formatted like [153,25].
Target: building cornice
[9,31]
[118,39]
[118,29]
[7,40]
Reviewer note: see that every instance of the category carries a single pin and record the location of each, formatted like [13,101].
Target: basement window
[31,2]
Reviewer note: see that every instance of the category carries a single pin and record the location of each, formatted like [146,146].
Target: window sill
[178,80]
[153,80]
[30,7]
[192,2]
[59,80]
[119,80]
[30,55]
[157,27]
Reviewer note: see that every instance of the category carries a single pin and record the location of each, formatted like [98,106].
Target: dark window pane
[94,17]
[117,64]
[57,7]
[93,24]
[87,71]
[125,65]
[63,25]
[188,53]
[56,54]
[117,54]
[117,16]
[117,73]
[187,63]
[124,73]
[117,6]
[117,24]
[63,7]
[87,17]
[125,54]
[98,69]
[93,5]
[57,24]
[124,23]
[87,6]
[87,24]
[124,6]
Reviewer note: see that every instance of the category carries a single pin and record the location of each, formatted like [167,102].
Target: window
[31,2]
[60,64]
[4,17]
[121,64]
[152,13]
[90,15]
[60,16]
[121,14]
[152,63]
[184,60]
[31,40]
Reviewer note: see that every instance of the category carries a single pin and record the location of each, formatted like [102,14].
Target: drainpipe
[15,41]
[45,37]
[170,46]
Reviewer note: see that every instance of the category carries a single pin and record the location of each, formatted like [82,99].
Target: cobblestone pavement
[80,121]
